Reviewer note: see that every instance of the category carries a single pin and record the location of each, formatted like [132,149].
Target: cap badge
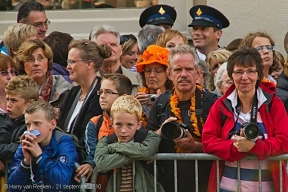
[161,11]
[199,12]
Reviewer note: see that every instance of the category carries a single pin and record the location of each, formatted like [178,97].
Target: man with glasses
[33,13]
[207,27]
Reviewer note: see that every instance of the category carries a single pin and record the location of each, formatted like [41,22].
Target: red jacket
[214,136]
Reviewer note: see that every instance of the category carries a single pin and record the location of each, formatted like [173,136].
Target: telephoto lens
[173,130]
[251,131]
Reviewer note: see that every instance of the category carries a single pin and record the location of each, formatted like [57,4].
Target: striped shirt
[126,184]
[249,175]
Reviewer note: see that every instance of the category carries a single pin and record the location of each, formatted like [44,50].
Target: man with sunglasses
[207,26]
[160,15]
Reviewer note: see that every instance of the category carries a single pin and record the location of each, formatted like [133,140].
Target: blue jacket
[58,69]
[54,167]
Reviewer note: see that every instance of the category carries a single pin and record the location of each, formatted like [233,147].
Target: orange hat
[153,54]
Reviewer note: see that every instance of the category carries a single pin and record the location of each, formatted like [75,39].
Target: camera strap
[254,110]
[198,108]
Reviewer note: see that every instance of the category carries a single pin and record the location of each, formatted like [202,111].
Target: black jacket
[186,168]
[282,89]
[10,133]
[90,109]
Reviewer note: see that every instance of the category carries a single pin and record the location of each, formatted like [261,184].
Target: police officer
[207,26]
[160,15]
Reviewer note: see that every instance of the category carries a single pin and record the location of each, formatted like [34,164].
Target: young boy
[112,86]
[128,144]
[45,160]
[20,92]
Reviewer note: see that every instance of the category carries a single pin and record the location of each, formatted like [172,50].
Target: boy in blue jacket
[46,158]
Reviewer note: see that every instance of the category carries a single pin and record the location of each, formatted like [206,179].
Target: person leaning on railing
[227,135]
[181,108]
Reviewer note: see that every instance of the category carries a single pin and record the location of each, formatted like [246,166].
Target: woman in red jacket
[248,120]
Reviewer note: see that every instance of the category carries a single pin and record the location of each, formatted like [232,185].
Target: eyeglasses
[156,71]
[39,25]
[5,73]
[72,62]
[106,92]
[124,38]
[32,60]
[267,47]
[249,73]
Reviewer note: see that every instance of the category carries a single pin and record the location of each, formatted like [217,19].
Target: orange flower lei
[174,100]
[144,118]
[144,89]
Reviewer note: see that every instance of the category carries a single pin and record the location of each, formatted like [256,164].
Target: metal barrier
[202,156]
[191,156]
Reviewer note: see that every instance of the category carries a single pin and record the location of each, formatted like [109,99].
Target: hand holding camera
[180,134]
[241,142]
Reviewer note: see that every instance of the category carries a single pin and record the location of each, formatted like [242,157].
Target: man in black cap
[160,15]
[207,25]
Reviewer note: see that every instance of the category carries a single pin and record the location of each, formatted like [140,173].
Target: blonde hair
[24,86]
[16,34]
[219,55]
[166,36]
[127,104]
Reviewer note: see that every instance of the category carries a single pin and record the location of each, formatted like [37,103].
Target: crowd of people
[110,100]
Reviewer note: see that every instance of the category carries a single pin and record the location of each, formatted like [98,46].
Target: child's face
[38,121]
[15,106]
[109,94]
[125,125]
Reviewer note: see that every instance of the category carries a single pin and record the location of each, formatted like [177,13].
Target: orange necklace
[174,101]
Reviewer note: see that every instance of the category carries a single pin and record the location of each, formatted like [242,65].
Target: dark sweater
[90,109]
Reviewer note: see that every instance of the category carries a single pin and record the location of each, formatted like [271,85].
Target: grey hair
[205,71]
[219,76]
[98,30]
[182,49]
[148,35]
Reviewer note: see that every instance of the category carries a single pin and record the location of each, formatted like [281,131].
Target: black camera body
[250,130]
[173,130]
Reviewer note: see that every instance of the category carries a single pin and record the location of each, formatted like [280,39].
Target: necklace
[174,101]
[82,97]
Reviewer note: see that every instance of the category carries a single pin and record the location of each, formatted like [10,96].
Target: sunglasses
[124,38]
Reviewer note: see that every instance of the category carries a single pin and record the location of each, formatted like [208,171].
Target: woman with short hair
[35,59]
[247,120]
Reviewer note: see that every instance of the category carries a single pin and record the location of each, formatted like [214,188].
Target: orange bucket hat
[153,54]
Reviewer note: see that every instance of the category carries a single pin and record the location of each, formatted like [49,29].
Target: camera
[151,98]
[250,130]
[33,132]
[173,130]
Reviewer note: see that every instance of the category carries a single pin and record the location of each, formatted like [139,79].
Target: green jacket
[116,155]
